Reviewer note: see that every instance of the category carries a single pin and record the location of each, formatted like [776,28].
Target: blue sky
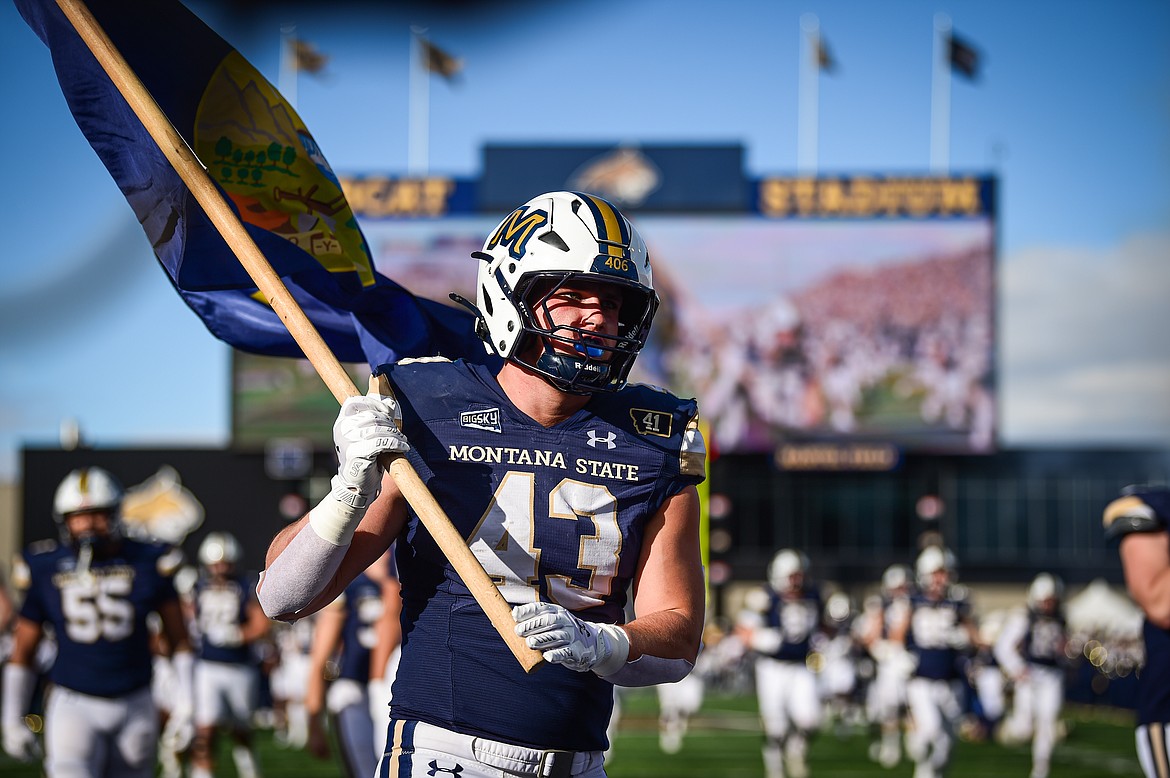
[1072,112]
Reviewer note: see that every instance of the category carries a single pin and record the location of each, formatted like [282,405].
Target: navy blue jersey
[796,617]
[934,627]
[1044,640]
[1153,695]
[221,611]
[99,615]
[554,514]
[363,607]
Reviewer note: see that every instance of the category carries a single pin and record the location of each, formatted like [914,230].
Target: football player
[885,700]
[344,637]
[95,588]
[938,632]
[1030,649]
[1137,520]
[779,625]
[570,486]
[229,621]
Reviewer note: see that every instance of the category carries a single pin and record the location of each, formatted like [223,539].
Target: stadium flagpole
[940,97]
[808,108]
[418,113]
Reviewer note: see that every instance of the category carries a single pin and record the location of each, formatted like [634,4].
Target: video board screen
[790,331]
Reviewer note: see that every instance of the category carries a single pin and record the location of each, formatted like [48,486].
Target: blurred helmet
[839,607]
[786,563]
[219,547]
[1045,586]
[930,561]
[895,577]
[552,240]
[88,489]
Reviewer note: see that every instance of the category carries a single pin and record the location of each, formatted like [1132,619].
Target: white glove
[180,729]
[20,742]
[366,427]
[564,639]
[179,732]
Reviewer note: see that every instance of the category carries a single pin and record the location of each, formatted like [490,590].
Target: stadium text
[864,197]
[381,197]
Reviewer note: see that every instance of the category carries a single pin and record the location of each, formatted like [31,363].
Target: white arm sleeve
[649,670]
[298,575]
[19,682]
[1007,645]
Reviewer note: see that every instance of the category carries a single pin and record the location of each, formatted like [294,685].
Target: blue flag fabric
[266,163]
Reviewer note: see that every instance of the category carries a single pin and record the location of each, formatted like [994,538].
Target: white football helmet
[1044,586]
[894,578]
[87,489]
[219,547]
[558,238]
[786,563]
[930,561]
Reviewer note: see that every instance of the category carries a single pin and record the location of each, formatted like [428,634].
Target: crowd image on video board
[790,331]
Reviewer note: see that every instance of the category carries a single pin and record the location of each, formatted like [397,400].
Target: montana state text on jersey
[506,482]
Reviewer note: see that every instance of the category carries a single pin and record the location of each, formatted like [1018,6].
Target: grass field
[724,742]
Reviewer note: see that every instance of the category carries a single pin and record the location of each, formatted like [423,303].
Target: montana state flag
[269,168]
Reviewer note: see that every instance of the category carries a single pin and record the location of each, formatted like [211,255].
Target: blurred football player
[1137,520]
[1030,649]
[95,589]
[570,486]
[228,621]
[778,624]
[288,682]
[344,637]
[387,648]
[886,696]
[937,632]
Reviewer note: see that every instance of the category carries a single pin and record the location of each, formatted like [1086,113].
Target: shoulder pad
[1134,513]
[46,546]
[21,577]
[169,562]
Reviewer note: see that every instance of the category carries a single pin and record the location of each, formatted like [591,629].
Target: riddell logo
[488,419]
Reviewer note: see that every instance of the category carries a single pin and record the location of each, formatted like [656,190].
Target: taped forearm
[649,670]
[298,575]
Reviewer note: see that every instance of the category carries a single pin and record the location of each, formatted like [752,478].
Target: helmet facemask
[588,361]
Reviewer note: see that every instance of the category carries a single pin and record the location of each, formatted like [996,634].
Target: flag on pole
[435,60]
[963,57]
[307,57]
[825,61]
[269,168]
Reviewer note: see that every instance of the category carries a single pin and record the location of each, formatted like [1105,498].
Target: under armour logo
[435,769]
[606,440]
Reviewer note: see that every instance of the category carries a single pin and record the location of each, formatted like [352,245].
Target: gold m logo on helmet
[515,231]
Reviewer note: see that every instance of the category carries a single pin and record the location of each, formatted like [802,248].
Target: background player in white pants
[228,621]
[1137,521]
[339,673]
[938,633]
[885,700]
[779,624]
[95,589]
[1030,649]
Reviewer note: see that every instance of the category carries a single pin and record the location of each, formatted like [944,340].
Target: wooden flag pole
[195,176]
